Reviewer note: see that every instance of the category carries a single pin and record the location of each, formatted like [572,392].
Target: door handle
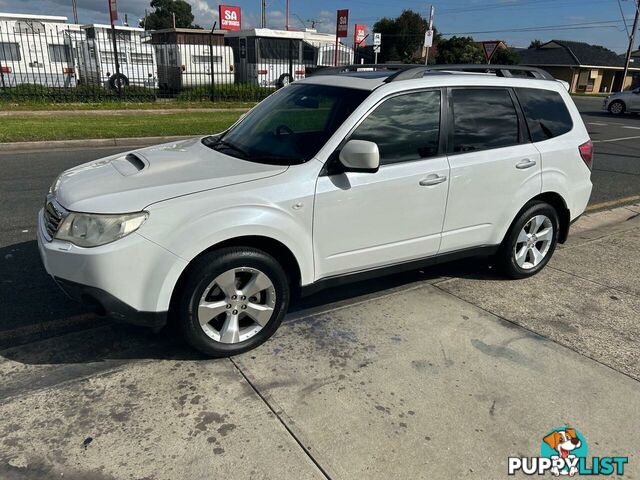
[525,164]
[432,180]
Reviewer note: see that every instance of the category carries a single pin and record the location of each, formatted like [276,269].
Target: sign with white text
[230,17]
[113,11]
[342,23]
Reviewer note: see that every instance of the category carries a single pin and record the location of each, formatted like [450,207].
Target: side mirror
[360,156]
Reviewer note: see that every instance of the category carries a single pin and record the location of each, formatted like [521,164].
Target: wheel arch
[558,203]
[273,247]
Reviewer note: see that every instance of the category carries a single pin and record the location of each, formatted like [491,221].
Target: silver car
[623,102]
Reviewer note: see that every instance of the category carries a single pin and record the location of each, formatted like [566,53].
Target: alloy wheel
[236,305]
[616,108]
[533,242]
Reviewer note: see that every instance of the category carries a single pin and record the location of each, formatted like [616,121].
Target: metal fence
[69,63]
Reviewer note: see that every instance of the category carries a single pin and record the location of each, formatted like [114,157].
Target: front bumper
[130,280]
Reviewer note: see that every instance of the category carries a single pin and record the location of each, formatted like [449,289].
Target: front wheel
[530,242]
[232,300]
[617,107]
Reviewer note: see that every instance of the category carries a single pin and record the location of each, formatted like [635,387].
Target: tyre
[232,300]
[284,80]
[530,242]
[118,81]
[617,107]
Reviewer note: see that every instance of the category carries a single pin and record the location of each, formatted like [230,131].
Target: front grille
[53,217]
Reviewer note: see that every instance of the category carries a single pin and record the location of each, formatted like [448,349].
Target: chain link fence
[72,63]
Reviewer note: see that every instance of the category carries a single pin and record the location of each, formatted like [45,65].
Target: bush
[81,94]
[240,92]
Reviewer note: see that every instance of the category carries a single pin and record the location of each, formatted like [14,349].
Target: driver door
[369,220]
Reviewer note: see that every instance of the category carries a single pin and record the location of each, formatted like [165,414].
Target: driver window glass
[405,127]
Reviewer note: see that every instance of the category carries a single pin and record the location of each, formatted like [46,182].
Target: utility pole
[74,5]
[286,15]
[263,9]
[430,31]
[632,39]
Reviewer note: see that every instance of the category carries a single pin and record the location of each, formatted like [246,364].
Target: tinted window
[406,127]
[10,52]
[546,113]
[483,119]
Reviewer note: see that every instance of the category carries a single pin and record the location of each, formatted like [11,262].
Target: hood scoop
[128,165]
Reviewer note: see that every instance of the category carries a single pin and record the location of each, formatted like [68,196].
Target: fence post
[291,77]
[212,95]
[116,59]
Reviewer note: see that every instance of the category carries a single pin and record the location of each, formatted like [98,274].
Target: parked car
[623,102]
[331,179]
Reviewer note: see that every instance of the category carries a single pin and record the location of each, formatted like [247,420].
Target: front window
[291,125]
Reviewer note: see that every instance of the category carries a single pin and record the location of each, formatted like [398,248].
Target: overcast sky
[593,21]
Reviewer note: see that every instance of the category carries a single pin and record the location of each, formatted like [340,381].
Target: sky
[516,22]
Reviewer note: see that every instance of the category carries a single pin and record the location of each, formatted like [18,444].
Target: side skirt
[352,277]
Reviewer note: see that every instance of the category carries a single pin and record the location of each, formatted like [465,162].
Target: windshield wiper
[230,146]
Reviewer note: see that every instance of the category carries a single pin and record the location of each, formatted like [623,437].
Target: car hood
[131,181]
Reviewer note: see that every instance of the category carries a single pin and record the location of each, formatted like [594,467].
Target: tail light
[299,72]
[231,68]
[5,70]
[262,72]
[69,70]
[183,68]
[586,152]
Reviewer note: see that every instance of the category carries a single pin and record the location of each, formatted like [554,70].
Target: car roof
[370,79]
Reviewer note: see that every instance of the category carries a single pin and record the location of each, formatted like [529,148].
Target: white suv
[331,179]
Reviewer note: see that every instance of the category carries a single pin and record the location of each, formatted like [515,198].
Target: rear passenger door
[495,169]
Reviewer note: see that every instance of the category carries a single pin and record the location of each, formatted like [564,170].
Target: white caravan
[269,58]
[137,57]
[37,50]
[186,56]
[325,46]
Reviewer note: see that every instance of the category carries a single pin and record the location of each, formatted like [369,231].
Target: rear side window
[483,119]
[546,113]
[405,127]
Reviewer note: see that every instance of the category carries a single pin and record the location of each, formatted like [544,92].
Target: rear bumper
[105,304]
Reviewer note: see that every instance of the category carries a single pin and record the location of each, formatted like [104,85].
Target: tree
[162,16]
[506,56]
[402,37]
[459,50]
[535,44]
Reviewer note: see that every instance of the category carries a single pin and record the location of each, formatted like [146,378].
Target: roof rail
[412,71]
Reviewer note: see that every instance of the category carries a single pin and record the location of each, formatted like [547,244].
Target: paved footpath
[442,374]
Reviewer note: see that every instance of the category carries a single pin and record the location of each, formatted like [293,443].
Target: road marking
[616,139]
[613,203]
[632,128]
[599,124]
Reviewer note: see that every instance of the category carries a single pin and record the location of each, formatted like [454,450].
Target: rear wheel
[232,300]
[284,80]
[617,107]
[117,82]
[530,242]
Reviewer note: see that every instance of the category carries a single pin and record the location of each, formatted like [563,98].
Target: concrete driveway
[444,375]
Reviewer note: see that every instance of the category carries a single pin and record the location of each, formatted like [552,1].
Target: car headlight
[93,230]
[54,185]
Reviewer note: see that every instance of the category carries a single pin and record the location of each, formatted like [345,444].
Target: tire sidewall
[508,258]
[617,102]
[207,268]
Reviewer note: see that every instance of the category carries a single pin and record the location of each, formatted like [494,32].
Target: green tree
[459,50]
[506,56]
[162,16]
[402,37]
[535,44]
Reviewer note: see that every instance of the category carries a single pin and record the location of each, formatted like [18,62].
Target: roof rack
[409,72]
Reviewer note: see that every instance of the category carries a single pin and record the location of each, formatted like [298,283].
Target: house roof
[563,52]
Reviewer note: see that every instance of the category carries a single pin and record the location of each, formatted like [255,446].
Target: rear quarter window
[546,113]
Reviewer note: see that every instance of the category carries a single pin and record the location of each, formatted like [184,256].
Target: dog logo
[565,444]
[563,451]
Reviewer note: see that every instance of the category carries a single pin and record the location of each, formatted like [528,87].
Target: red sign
[490,49]
[113,11]
[360,34]
[230,17]
[342,23]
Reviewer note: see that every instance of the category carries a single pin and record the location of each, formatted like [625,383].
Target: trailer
[37,50]
[325,49]
[269,58]
[136,57]
[192,58]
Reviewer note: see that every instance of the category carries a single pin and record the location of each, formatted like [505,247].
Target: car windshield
[291,125]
